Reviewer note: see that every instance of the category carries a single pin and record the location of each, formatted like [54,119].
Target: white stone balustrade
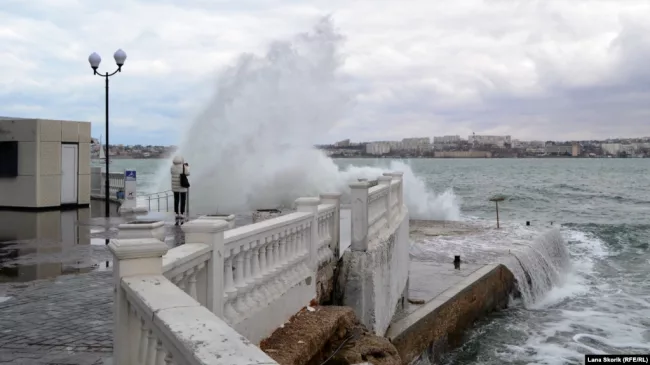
[157,323]
[375,209]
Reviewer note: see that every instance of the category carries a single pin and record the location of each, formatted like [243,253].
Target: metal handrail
[166,194]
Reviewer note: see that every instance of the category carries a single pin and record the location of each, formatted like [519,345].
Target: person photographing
[180,170]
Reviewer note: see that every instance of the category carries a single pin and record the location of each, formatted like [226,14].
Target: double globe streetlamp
[95,60]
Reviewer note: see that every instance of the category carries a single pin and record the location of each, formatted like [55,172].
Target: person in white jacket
[179,166]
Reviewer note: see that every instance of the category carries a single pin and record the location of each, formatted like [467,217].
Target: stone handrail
[378,209]
[257,276]
[156,322]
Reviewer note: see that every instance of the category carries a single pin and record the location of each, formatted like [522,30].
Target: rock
[366,347]
[328,333]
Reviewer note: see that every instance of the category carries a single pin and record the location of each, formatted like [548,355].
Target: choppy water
[602,206]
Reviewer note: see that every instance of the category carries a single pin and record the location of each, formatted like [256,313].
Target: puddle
[43,245]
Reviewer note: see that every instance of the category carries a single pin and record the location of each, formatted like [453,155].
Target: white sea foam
[252,145]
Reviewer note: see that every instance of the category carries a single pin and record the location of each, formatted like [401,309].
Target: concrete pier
[447,297]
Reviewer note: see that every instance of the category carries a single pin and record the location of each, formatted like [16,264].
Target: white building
[378,148]
[484,140]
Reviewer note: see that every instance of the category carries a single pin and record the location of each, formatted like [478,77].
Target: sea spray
[540,265]
[252,145]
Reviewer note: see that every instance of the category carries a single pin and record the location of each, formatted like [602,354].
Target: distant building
[484,140]
[378,148]
[573,149]
[446,140]
[343,143]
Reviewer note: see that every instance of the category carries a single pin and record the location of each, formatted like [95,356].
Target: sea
[602,207]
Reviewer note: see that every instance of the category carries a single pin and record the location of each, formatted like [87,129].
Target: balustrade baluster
[295,256]
[305,241]
[276,282]
[192,281]
[142,353]
[240,283]
[289,275]
[264,270]
[259,295]
[151,353]
[249,278]
[281,276]
[229,289]
[160,354]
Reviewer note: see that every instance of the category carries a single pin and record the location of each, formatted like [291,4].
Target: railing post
[359,196]
[385,181]
[399,175]
[334,198]
[210,232]
[135,256]
[310,205]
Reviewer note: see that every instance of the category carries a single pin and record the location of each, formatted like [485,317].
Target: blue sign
[129,175]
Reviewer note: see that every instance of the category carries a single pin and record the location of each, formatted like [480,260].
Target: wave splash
[252,146]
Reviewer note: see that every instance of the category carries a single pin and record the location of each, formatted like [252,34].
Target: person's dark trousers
[179,198]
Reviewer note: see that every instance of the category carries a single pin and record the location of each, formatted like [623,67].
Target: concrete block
[50,158]
[27,158]
[84,132]
[84,158]
[18,192]
[69,131]
[21,130]
[83,189]
[49,191]
[50,130]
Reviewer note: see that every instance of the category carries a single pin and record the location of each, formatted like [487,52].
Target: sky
[536,70]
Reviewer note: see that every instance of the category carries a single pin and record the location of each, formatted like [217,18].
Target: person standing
[180,170]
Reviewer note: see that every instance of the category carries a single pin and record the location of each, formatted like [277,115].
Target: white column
[334,198]
[310,205]
[131,256]
[210,233]
[359,219]
[385,181]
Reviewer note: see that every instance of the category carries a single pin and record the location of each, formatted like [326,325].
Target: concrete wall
[38,184]
[439,325]
[374,282]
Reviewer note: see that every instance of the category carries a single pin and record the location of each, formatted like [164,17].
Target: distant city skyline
[539,70]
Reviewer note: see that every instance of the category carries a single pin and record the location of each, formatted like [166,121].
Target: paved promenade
[67,320]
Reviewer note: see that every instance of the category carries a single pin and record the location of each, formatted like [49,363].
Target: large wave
[253,145]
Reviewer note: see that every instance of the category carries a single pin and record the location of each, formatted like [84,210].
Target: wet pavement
[55,285]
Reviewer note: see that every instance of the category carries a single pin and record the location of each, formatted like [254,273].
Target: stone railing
[155,322]
[210,300]
[375,209]
[257,276]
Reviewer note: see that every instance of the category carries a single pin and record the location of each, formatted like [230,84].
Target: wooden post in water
[496,200]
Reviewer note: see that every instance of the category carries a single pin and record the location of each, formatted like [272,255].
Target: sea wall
[374,282]
[438,326]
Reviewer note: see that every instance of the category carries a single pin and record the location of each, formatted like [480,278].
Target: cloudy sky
[568,69]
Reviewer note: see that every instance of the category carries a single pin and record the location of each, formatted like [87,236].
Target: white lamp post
[94,59]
